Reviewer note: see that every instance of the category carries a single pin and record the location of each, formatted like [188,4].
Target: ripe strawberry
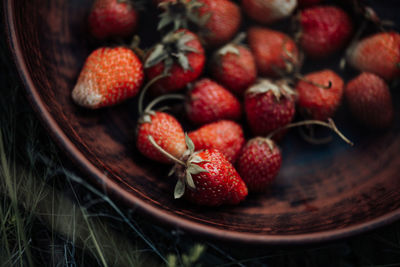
[217,20]
[275,53]
[226,136]
[259,163]
[180,55]
[268,11]
[234,67]
[166,132]
[207,102]
[369,100]
[324,30]
[113,18]
[379,54]
[269,106]
[109,76]
[306,3]
[215,180]
[317,101]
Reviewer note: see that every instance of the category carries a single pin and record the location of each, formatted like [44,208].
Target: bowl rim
[162,216]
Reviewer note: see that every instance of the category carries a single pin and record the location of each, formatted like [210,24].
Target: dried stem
[165,153]
[145,89]
[162,98]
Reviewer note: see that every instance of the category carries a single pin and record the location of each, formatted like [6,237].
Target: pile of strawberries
[254,73]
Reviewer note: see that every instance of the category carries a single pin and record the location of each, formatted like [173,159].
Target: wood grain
[322,193]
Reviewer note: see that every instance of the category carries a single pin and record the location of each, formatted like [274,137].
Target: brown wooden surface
[322,192]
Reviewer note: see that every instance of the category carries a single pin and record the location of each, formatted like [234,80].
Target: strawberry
[226,136]
[268,11]
[275,53]
[109,76]
[181,56]
[217,20]
[369,100]
[306,3]
[208,101]
[379,54]
[212,180]
[324,30]
[269,106]
[166,132]
[234,67]
[113,18]
[320,94]
[259,163]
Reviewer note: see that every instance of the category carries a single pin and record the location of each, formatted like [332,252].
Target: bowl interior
[321,190]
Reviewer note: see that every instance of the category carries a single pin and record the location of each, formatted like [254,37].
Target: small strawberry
[324,30]
[234,67]
[226,136]
[275,53]
[208,101]
[109,76]
[306,3]
[369,100]
[379,54]
[217,20]
[320,94]
[180,55]
[259,163]
[113,18]
[269,106]
[268,11]
[166,132]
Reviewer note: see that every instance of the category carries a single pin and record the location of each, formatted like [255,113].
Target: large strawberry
[226,136]
[109,76]
[113,18]
[275,53]
[324,30]
[208,101]
[234,67]
[268,11]
[320,94]
[217,20]
[369,100]
[166,132]
[259,163]
[269,105]
[379,54]
[180,55]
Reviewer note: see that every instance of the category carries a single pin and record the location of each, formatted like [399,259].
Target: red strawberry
[214,180]
[379,54]
[234,67]
[109,76]
[207,102]
[217,20]
[320,94]
[112,18]
[324,30]
[275,53]
[180,55]
[268,11]
[269,106]
[306,3]
[259,163]
[226,136]
[166,132]
[369,100]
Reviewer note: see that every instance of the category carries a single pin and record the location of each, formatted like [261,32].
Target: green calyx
[173,47]
[278,88]
[181,13]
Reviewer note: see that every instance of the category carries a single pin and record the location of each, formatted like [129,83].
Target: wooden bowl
[322,193]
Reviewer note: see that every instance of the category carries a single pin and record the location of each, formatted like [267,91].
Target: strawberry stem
[165,153]
[162,98]
[330,124]
[302,78]
[145,89]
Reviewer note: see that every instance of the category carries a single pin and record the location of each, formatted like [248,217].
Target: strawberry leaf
[156,56]
[189,143]
[179,189]
[195,169]
[189,180]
